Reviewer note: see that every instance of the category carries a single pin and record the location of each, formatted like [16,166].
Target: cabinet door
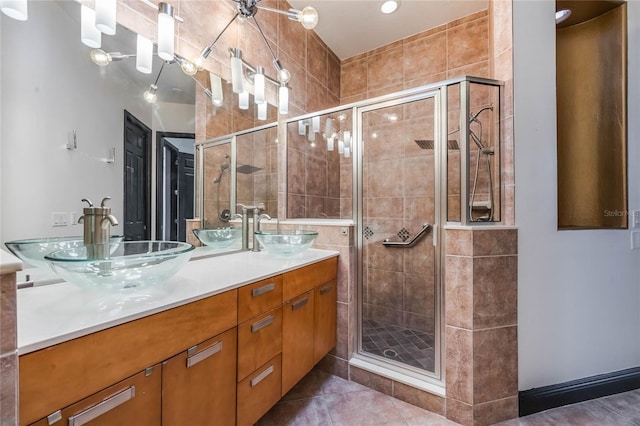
[259,392]
[133,401]
[325,312]
[297,339]
[259,340]
[198,386]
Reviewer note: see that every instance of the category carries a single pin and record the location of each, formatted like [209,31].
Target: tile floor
[321,399]
[402,344]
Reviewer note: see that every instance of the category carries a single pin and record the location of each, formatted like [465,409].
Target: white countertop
[55,313]
[9,263]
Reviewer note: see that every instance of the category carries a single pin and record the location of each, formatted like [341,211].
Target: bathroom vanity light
[150,95]
[16,9]
[217,97]
[166,33]
[89,34]
[246,9]
[106,16]
[144,55]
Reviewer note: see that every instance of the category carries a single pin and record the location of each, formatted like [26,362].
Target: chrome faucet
[97,228]
[245,224]
[257,217]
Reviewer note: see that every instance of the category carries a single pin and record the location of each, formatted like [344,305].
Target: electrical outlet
[635,240]
[59,219]
[73,218]
[635,218]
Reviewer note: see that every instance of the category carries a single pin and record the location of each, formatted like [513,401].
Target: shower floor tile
[411,347]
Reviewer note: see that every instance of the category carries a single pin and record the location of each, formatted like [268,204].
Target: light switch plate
[635,240]
[635,218]
[59,219]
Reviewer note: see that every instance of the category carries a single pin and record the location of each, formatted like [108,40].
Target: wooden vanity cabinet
[325,317]
[197,384]
[135,400]
[260,391]
[297,340]
[308,319]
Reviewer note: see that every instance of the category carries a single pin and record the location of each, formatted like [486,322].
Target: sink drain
[390,353]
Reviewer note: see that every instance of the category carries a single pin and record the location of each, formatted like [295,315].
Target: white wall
[579,291]
[50,86]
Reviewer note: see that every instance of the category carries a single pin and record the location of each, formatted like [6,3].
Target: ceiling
[356,26]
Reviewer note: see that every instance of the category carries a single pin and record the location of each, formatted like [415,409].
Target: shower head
[224,166]
[246,169]
[452,144]
[474,117]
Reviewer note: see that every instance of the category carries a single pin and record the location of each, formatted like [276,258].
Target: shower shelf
[411,241]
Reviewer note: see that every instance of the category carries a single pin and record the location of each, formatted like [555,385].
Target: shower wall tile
[353,78]
[333,74]
[425,56]
[495,364]
[9,388]
[458,242]
[428,401]
[383,258]
[458,291]
[495,242]
[468,42]
[493,412]
[459,353]
[342,344]
[419,294]
[469,18]
[425,323]
[386,288]
[459,411]
[8,313]
[371,380]
[317,58]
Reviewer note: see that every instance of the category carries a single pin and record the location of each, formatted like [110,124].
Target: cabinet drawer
[135,400]
[259,340]
[196,383]
[259,297]
[304,279]
[259,392]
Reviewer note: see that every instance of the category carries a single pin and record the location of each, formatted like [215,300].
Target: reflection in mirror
[319,166]
[257,170]
[216,187]
[64,116]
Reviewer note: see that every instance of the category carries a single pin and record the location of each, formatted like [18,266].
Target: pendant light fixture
[89,34]
[144,55]
[166,33]
[259,86]
[16,9]
[262,111]
[217,97]
[243,100]
[106,16]
[283,99]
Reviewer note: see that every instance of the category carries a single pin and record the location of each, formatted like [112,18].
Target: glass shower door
[399,260]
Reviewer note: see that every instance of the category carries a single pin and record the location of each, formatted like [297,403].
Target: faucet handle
[104,200]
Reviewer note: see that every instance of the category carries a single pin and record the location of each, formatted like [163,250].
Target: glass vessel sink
[33,251]
[286,243]
[132,264]
[218,237]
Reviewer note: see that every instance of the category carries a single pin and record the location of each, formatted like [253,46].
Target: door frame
[130,118]
[160,145]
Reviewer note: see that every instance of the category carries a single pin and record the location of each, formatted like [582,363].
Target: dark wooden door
[137,179]
[186,176]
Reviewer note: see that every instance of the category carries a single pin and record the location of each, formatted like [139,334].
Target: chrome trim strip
[260,377]
[103,407]
[204,354]
[262,290]
[257,326]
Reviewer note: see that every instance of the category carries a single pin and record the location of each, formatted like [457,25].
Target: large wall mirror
[66,123]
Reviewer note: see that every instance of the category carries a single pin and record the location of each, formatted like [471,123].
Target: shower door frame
[436,93]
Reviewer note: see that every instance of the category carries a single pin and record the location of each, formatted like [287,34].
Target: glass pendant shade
[262,111]
[330,143]
[106,16]
[166,27]
[259,86]
[217,97]
[340,147]
[144,55]
[16,9]
[283,99]
[89,34]
[236,72]
[243,100]
[347,139]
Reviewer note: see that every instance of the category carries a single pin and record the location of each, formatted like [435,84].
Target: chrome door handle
[262,290]
[105,406]
[326,289]
[204,354]
[299,304]
[262,323]
[260,377]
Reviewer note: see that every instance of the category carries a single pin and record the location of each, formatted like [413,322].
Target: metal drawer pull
[204,354]
[326,289]
[105,406]
[260,377]
[262,290]
[262,323]
[299,304]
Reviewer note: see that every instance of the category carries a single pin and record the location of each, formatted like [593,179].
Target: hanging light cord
[222,32]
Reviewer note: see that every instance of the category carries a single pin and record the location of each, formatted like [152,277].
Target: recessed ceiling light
[562,15]
[389,6]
